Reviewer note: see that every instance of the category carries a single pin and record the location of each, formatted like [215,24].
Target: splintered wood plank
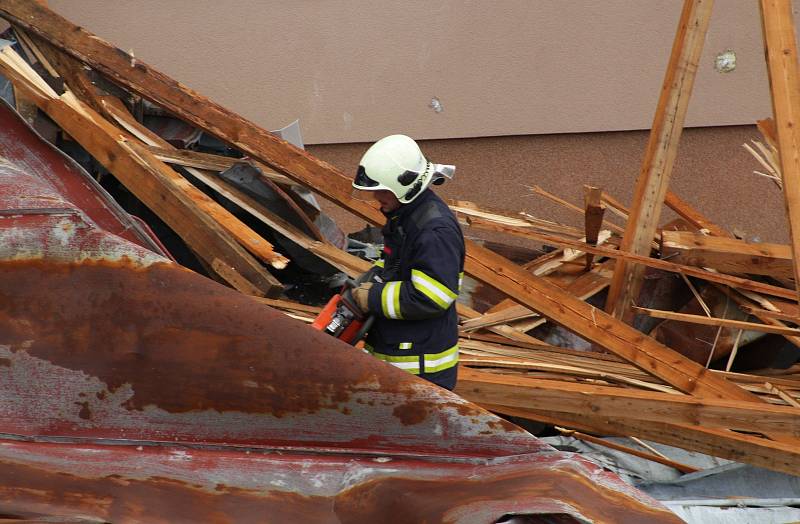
[150,180]
[593,218]
[79,83]
[784,79]
[693,216]
[722,322]
[334,185]
[188,105]
[613,402]
[730,280]
[729,255]
[739,447]
[598,327]
[64,66]
[541,192]
[683,468]
[662,149]
[251,240]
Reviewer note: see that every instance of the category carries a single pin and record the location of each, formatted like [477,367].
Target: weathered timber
[187,104]
[151,181]
[612,402]
[784,77]
[566,371]
[691,271]
[739,447]
[594,211]
[584,286]
[511,314]
[332,184]
[252,241]
[115,110]
[693,216]
[598,327]
[777,315]
[683,468]
[746,300]
[729,255]
[722,322]
[539,191]
[662,149]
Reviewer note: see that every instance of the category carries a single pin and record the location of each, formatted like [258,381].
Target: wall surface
[576,81]
[713,173]
[354,71]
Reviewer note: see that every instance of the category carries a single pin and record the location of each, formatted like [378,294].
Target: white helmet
[395,163]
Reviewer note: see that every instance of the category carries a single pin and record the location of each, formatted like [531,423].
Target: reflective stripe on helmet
[433,289]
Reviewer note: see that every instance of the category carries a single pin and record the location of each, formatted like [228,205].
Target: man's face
[386,199]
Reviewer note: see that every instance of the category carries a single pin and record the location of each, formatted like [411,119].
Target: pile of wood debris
[655,382]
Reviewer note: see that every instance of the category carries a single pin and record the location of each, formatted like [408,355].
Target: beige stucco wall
[713,172]
[353,71]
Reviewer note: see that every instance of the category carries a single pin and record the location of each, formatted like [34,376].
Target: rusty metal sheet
[134,390]
[195,484]
[22,146]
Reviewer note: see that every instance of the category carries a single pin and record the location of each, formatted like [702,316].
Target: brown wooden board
[662,149]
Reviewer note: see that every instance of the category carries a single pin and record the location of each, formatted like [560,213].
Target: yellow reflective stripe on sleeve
[441,361]
[431,288]
[406,345]
[460,281]
[390,300]
[409,363]
[378,263]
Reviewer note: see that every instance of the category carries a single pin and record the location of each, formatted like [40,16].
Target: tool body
[341,317]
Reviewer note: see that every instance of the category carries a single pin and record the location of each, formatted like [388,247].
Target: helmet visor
[362,180]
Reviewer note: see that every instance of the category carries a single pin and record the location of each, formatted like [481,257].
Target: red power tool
[342,318]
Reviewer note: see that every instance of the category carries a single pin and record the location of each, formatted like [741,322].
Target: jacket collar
[406,210]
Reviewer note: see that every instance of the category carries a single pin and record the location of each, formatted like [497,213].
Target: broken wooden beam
[693,216]
[730,280]
[616,402]
[728,255]
[593,213]
[780,43]
[598,327]
[662,149]
[721,322]
[332,184]
[152,182]
[683,468]
[739,447]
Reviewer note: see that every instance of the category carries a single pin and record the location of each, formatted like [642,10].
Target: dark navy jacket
[416,325]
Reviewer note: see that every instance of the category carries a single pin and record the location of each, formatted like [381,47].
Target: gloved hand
[361,296]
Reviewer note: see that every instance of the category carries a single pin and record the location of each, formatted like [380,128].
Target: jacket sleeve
[435,261]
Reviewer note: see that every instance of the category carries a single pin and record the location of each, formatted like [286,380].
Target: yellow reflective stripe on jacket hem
[433,362]
[433,289]
[390,300]
[409,363]
[441,361]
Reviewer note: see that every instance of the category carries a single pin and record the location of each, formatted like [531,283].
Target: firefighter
[414,297]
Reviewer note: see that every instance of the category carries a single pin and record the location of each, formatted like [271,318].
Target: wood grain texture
[662,149]
[784,77]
